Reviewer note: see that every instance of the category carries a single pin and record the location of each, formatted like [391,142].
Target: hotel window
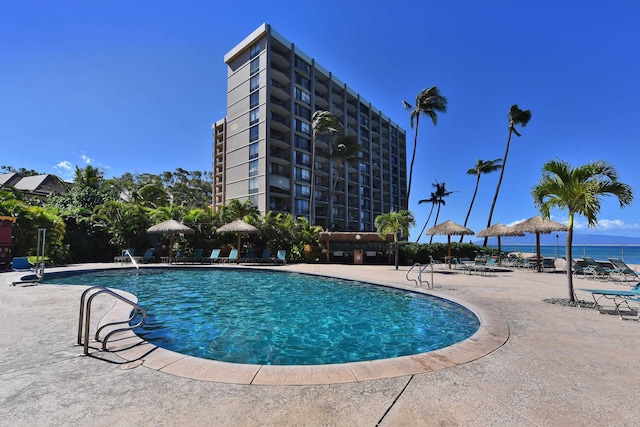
[302,206]
[301,65]
[303,127]
[303,174]
[302,142]
[302,111]
[303,81]
[303,159]
[255,66]
[254,116]
[253,185]
[253,168]
[303,190]
[254,83]
[253,133]
[255,50]
[254,99]
[302,95]
[253,151]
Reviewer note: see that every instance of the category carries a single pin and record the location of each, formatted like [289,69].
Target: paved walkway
[560,366]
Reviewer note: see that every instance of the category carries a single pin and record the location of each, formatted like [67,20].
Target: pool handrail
[85,317]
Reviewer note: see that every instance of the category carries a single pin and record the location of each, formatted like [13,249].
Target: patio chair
[433,261]
[196,257]
[179,256]
[577,268]
[622,270]
[21,264]
[548,263]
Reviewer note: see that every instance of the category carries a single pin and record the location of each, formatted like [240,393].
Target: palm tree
[235,209]
[441,193]
[428,102]
[577,190]
[340,152]
[396,223]
[433,199]
[516,117]
[322,123]
[480,168]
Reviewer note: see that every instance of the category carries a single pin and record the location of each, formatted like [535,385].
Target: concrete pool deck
[559,366]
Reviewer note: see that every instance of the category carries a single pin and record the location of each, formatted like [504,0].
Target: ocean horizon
[629,253]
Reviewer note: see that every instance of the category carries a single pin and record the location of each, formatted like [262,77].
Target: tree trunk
[413,157]
[435,222]
[473,199]
[425,224]
[495,197]
[569,257]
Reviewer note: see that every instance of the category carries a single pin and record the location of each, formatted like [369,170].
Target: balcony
[279,58]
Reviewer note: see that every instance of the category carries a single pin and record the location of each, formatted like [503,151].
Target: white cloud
[65,169]
[85,158]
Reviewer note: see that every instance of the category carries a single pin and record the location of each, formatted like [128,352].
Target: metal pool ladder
[418,279]
[85,317]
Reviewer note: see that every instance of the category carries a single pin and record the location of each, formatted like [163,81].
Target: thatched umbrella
[238,226]
[498,230]
[539,225]
[170,227]
[449,228]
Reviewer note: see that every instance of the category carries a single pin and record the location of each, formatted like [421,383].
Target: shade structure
[171,228]
[238,226]
[539,225]
[449,228]
[498,230]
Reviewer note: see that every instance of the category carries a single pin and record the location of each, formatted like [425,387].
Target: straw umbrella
[449,228]
[539,225]
[498,230]
[170,227]
[238,226]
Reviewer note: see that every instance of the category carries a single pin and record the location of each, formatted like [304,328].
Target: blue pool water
[280,318]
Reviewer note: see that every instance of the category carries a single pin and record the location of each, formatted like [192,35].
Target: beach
[559,366]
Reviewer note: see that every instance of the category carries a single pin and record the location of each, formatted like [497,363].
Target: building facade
[263,148]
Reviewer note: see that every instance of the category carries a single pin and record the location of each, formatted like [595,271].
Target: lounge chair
[577,268]
[250,256]
[215,256]
[149,256]
[196,257]
[281,257]
[126,255]
[21,264]
[548,263]
[265,258]
[233,256]
[433,261]
[622,270]
[179,256]
[617,297]
[594,269]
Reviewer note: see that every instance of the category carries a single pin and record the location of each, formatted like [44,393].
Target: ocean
[630,254]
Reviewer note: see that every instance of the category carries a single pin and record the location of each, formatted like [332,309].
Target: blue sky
[134,86]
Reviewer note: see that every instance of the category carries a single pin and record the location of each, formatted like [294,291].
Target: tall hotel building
[262,149]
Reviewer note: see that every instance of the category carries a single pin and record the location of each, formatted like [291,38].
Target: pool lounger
[618,298]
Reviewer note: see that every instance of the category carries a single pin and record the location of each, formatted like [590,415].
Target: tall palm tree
[396,223]
[516,117]
[433,199]
[344,149]
[429,102]
[577,190]
[322,123]
[441,193]
[480,168]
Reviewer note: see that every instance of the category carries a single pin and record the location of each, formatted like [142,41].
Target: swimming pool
[279,318]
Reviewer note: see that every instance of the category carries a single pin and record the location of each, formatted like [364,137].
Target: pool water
[280,318]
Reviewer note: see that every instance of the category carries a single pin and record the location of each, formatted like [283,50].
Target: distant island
[550,239]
